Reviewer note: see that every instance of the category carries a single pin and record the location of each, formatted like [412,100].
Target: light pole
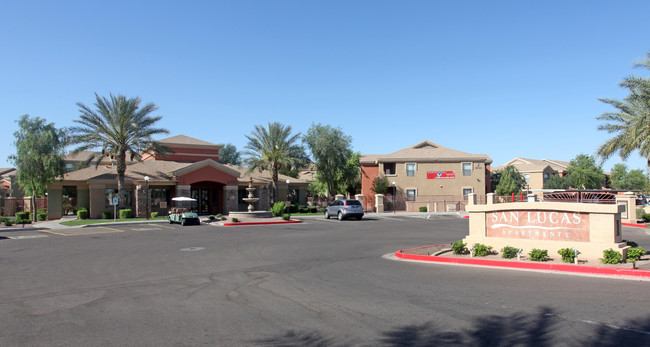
[394,195]
[146,199]
[288,199]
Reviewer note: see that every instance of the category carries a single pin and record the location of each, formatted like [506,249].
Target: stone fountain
[251,200]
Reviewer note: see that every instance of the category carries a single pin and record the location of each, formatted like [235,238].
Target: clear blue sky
[504,78]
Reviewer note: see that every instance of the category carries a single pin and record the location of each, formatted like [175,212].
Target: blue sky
[504,78]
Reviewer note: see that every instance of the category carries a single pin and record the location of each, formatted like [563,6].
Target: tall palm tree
[631,122]
[273,148]
[117,125]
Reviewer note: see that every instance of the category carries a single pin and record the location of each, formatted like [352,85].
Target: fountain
[251,200]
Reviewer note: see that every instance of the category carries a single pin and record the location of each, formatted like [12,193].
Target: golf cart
[181,211]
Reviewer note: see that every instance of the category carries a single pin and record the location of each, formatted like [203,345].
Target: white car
[344,208]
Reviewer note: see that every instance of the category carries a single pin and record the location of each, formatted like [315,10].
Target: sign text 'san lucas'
[538,225]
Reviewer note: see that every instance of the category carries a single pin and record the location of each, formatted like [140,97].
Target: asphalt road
[318,283]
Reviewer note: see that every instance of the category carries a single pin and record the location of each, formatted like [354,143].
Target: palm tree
[117,125]
[273,148]
[631,122]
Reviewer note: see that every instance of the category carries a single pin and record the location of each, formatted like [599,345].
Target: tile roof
[186,140]
[534,165]
[425,151]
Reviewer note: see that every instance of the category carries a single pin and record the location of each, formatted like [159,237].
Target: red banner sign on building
[432,175]
[538,225]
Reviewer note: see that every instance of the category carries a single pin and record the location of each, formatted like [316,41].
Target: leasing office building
[191,170]
[427,174]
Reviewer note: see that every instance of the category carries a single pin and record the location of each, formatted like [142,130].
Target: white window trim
[465,196]
[471,168]
[413,189]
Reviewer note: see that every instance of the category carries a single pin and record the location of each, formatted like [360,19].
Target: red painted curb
[529,266]
[263,223]
[635,225]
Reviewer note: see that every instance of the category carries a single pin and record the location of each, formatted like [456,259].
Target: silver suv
[344,208]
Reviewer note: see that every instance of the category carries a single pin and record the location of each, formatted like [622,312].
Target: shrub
[640,213]
[235,220]
[23,215]
[631,243]
[82,213]
[212,217]
[277,209]
[3,219]
[568,254]
[313,209]
[634,254]
[223,218]
[41,215]
[303,209]
[107,215]
[509,252]
[481,250]
[8,222]
[154,214]
[23,221]
[645,217]
[126,213]
[423,209]
[459,247]
[538,254]
[610,256]
[285,217]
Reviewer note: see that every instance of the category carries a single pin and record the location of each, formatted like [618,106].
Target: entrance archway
[209,196]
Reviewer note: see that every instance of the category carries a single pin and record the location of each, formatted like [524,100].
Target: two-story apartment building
[535,171]
[427,174]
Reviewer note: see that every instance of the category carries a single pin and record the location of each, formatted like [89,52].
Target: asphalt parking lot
[320,282]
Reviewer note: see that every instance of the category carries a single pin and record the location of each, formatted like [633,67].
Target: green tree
[39,155]
[228,154]
[511,181]
[272,149]
[556,182]
[630,123]
[330,149]
[583,173]
[117,126]
[495,177]
[380,185]
[624,180]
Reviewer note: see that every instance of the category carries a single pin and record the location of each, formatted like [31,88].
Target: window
[466,192]
[410,169]
[110,193]
[389,168]
[467,169]
[410,195]
[545,177]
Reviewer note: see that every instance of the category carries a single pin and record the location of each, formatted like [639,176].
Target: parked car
[641,200]
[344,208]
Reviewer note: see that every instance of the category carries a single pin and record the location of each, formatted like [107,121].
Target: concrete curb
[261,223]
[568,268]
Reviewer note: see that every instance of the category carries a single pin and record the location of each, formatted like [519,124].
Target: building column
[140,201]
[360,198]
[379,203]
[55,201]
[97,196]
[230,199]
[339,196]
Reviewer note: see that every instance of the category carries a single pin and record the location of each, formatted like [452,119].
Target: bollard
[575,258]
[471,251]
[519,254]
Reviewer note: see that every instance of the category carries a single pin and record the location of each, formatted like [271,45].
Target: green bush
[212,217]
[285,217]
[154,214]
[23,221]
[41,216]
[107,215]
[82,213]
[223,218]
[235,220]
[423,209]
[8,222]
[631,243]
[538,254]
[126,213]
[509,252]
[3,219]
[277,208]
[481,250]
[610,256]
[634,254]
[219,216]
[644,216]
[568,254]
[23,215]
[459,247]
[303,209]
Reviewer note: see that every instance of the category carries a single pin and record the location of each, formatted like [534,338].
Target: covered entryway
[209,196]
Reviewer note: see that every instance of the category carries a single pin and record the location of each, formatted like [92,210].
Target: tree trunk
[34,219]
[274,179]
[121,170]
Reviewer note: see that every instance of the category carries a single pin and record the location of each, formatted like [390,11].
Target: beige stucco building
[535,171]
[427,174]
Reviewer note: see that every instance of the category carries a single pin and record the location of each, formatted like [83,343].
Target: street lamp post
[288,199]
[146,199]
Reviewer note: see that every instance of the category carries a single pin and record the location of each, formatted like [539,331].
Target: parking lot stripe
[161,226]
[52,232]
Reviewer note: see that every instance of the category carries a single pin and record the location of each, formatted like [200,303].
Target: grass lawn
[100,221]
